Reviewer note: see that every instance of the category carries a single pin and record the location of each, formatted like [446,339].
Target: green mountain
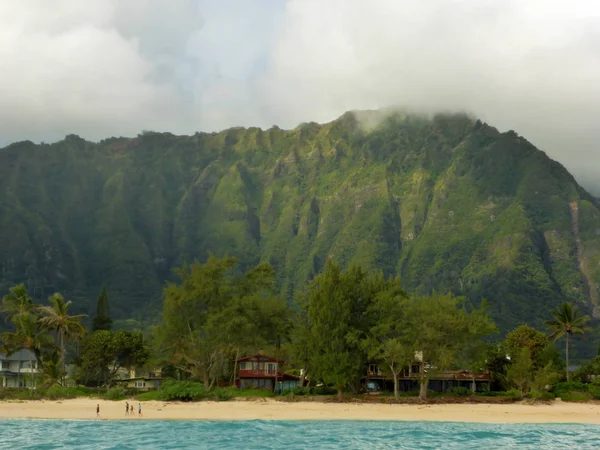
[447,202]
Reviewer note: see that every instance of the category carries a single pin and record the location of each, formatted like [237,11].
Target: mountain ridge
[446,201]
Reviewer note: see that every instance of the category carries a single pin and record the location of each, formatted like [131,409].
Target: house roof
[260,356]
[19,355]
[138,378]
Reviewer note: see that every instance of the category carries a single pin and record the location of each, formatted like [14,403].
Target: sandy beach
[557,412]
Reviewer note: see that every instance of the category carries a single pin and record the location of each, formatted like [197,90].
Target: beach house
[264,372]
[140,380]
[16,370]
[378,379]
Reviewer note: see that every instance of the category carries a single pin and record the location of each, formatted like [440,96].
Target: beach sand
[268,409]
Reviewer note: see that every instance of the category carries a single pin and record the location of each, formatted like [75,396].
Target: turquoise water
[67,434]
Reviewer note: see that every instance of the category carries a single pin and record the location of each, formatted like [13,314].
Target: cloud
[530,66]
[114,67]
[70,66]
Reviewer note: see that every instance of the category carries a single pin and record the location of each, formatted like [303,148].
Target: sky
[101,68]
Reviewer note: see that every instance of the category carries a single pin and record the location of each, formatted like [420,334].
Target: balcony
[267,373]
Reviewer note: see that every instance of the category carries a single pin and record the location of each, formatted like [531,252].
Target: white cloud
[528,65]
[114,67]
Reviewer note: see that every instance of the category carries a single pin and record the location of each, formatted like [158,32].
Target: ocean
[258,434]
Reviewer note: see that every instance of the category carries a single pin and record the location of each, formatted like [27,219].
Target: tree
[16,303]
[567,322]
[51,371]
[104,352]
[336,304]
[528,337]
[520,372]
[102,320]
[439,327]
[28,336]
[387,341]
[212,315]
[56,318]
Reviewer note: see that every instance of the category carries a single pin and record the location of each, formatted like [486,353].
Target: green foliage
[325,390]
[102,320]
[116,393]
[594,391]
[575,397]
[214,314]
[335,328]
[57,392]
[222,395]
[527,337]
[104,352]
[56,318]
[520,372]
[540,395]
[515,394]
[445,202]
[545,378]
[573,391]
[185,391]
[440,328]
[567,322]
[461,391]
[569,386]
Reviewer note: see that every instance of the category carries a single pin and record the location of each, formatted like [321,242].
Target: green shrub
[115,393]
[461,391]
[569,386]
[575,397]
[222,395]
[325,390]
[541,395]
[300,391]
[594,391]
[514,394]
[149,396]
[185,391]
[20,394]
[56,392]
[252,393]
[493,394]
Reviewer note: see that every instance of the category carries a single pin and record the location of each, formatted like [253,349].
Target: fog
[105,67]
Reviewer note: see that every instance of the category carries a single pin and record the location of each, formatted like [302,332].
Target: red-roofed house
[264,372]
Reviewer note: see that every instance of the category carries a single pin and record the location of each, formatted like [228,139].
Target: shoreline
[273,410]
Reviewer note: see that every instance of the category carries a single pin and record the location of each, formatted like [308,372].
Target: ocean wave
[261,434]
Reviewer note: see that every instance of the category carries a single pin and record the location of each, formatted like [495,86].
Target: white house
[15,370]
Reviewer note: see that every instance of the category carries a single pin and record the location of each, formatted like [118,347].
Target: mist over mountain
[446,202]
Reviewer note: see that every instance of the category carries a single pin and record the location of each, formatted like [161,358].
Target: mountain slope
[446,202]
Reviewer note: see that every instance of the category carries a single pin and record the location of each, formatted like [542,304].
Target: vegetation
[567,322]
[446,203]
[343,321]
[214,315]
[102,320]
[104,352]
[56,318]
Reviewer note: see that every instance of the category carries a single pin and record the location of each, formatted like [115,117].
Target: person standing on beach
[98,410]
[140,409]
[126,408]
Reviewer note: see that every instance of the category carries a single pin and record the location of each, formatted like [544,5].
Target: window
[140,384]
[4,365]
[244,366]
[271,368]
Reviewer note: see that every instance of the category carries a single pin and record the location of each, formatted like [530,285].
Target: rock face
[446,202]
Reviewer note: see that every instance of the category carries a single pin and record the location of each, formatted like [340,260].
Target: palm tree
[17,302]
[51,371]
[56,318]
[28,336]
[567,322]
